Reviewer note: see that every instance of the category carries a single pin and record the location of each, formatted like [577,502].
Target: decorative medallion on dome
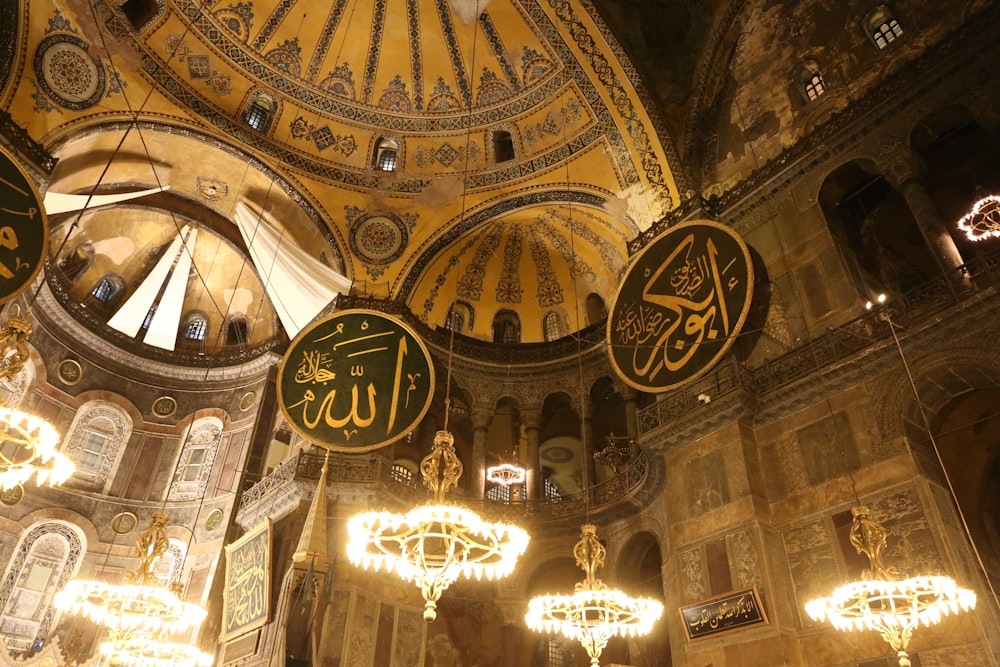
[67,73]
[236,18]
[680,306]
[378,239]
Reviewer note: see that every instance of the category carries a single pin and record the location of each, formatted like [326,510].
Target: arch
[639,571]
[95,442]
[882,27]
[237,330]
[141,13]
[810,81]
[48,555]
[503,145]
[196,458]
[260,111]
[13,389]
[107,293]
[596,310]
[76,261]
[875,230]
[193,332]
[387,155]
[553,326]
[506,327]
[169,566]
[461,316]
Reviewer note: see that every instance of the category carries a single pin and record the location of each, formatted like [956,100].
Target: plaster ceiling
[591,165]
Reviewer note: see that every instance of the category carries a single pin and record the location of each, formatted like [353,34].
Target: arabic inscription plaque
[733,611]
[248,576]
[23,229]
[680,306]
[355,381]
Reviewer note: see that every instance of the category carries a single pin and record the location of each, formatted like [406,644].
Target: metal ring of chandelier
[148,652]
[129,609]
[28,448]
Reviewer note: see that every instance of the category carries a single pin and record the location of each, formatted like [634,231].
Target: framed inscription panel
[247,595]
[355,381]
[680,306]
[24,228]
[732,611]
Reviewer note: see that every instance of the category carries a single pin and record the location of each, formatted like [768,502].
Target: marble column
[904,173]
[481,418]
[533,464]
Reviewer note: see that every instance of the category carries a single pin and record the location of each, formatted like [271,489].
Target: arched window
[94,442]
[460,317]
[883,28]
[401,473]
[47,556]
[814,87]
[194,465]
[108,291]
[13,389]
[386,155]
[140,13]
[596,310]
[503,146]
[551,490]
[259,112]
[500,493]
[506,328]
[237,331]
[552,326]
[194,330]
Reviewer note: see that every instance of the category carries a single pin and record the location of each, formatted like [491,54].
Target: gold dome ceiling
[442,79]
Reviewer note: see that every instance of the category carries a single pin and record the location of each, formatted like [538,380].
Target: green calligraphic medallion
[355,381]
[24,228]
[680,306]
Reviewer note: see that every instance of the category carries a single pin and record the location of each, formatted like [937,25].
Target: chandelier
[615,452]
[141,606]
[983,221]
[506,474]
[594,613]
[432,545]
[883,602]
[149,652]
[28,449]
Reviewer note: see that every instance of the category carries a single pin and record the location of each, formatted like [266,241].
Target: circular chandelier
[883,602]
[433,545]
[506,474]
[983,221]
[594,613]
[141,606]
[615,453]
[149,652]
[28,449]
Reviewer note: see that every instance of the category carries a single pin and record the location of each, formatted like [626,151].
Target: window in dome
[506,328]
[503,146]
[386,154]
[140,13]
[259,112]
[460,316]
[237,330]
[553,326]
[108,289]
[883,28]
[814,87]
[95,441]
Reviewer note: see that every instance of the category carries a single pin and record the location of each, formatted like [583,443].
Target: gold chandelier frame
[433,545]
[28,448]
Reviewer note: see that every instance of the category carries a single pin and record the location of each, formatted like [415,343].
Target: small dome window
[258,113]
[503,146]
[883,28]
[386,155]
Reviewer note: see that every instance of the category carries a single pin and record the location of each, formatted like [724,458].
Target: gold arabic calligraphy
[316,368]
[8,237]
[246,584]
[665,328]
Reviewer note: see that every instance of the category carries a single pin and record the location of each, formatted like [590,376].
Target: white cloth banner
[57,202]
[299,285]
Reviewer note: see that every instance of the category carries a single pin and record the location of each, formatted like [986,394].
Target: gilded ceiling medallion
[67,73]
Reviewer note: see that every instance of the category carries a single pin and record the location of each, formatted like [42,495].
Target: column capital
[531,418]
[901,167]
[481,417]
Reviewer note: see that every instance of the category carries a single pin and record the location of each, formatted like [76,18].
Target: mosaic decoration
[10,18]
[322,137]
[395,97]
[213,520]
[325,39]
[287,57]
[236,18]
[442,97]
[440,280]
[446,155]
[577,267]
[355,381]
[271,24]
[557,454]
[70,371]
[67,73]
[59,23]
[199,67]
[470,286]
[340,82]
[164,406]
[416,53]
[509,287]
[549,292]
[454,53]
[534,66]
[491,90]
[378,240]
[124,523]
[211,189]
[680,306]
[612,257]
[176,46]
[498,49]
[374,46]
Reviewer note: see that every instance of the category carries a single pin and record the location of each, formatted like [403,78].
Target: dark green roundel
[23,229]
[680,306]
[355,380]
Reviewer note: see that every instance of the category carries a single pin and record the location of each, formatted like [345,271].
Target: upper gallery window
[386,154]
[883,28]
[259,112]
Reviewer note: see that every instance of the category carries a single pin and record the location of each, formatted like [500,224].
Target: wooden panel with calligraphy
[355,381]
[680,306]
[247,594]
[24,229]
[732,611]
